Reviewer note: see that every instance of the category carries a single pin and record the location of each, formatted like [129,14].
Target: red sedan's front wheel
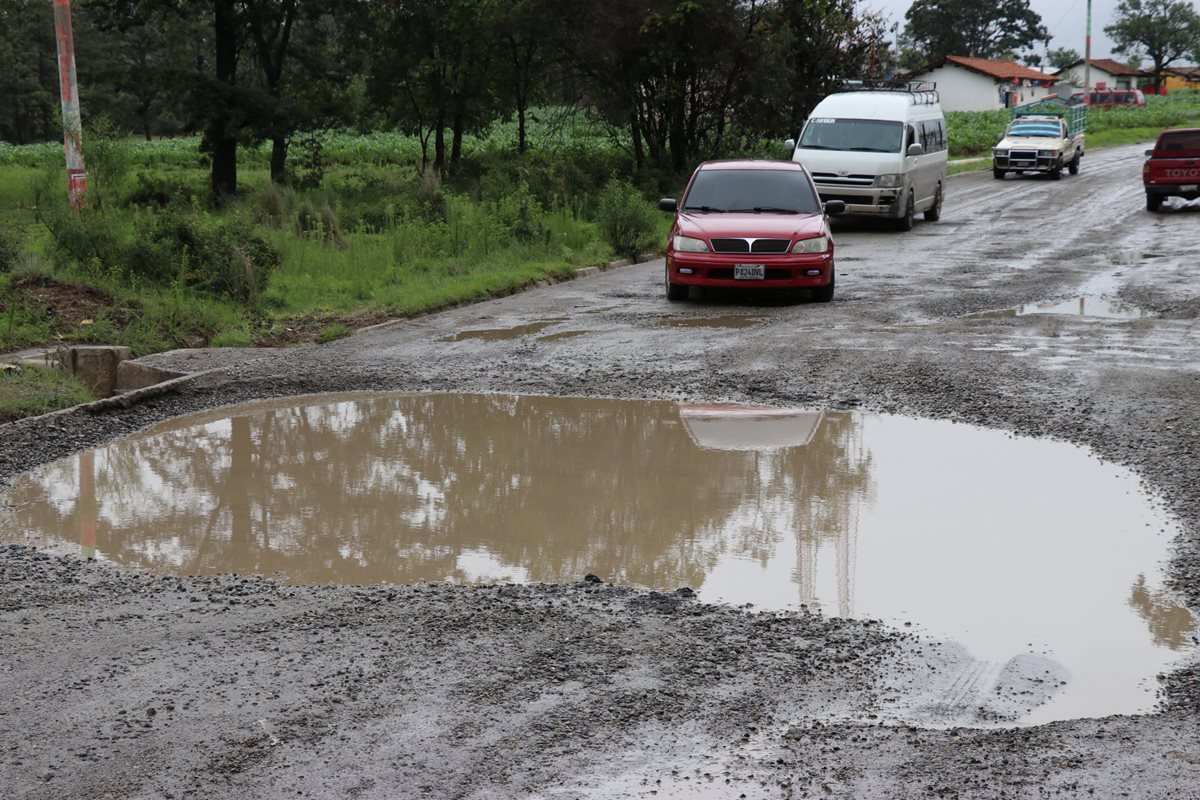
[675,291]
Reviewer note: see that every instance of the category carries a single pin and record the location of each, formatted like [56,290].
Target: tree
[432,69]
[1063,57]
[1163,31]
[304,68]
[830,40]
[28,72]
[977,28]
[682,75]
[531,41]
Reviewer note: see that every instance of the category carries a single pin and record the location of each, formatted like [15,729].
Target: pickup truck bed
[1172,168]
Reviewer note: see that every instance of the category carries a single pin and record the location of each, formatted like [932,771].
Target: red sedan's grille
[756,246]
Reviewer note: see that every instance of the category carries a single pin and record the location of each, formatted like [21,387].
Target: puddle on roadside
[1089,306]
[729,321]
[1020,550]
[498,334]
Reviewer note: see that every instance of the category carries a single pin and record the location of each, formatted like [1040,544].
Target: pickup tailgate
[1174,163]
[1172,171]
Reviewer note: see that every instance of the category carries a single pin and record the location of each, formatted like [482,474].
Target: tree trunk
[279,148]
[439,141]
[635,135]
[457,135]
[521,145]
[219,133]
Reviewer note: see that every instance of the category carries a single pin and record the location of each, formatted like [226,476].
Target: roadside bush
[156,189]
[320,222]
[626,219]
[90,243]
[521,214]
[222,257]
[273,205]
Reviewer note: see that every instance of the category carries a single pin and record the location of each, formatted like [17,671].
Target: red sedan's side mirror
[835,207]
[668,204]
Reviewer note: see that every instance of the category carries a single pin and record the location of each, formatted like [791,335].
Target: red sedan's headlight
[686,244]
[817,244]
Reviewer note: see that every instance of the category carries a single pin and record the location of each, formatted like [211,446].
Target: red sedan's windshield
[771,191]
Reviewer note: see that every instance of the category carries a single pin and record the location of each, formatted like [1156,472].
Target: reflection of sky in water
[1086,306]
[1005,545]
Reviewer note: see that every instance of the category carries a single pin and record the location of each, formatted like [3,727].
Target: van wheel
[997,173]
[1056,173]
[934,212]
[1153,201]
[905,223]
[675,291]
[1073,167]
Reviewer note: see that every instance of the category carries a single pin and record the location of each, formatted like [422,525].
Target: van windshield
[861,135]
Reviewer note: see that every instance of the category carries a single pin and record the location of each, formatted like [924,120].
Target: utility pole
[1087,59]
[69,91]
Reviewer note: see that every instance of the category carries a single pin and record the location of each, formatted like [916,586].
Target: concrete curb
[124,400]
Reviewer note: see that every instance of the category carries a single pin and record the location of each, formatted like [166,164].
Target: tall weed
[626,219]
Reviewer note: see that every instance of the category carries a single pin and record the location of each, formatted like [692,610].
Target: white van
[880,148]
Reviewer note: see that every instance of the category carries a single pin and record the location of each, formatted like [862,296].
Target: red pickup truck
[1172,168]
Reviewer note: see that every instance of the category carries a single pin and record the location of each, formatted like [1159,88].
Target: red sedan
[748,223]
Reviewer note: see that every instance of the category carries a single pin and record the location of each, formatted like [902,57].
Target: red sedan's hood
[757,226]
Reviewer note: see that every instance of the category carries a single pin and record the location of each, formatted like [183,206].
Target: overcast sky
[1065,19]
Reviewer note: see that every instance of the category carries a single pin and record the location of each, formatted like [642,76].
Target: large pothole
[1032,555]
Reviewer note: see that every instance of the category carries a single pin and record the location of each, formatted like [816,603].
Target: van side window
[933,135]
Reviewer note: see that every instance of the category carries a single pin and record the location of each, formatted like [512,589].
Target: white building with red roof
[1103,73]
[984,84]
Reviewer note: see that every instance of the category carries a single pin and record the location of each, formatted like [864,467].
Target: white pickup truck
[1041,139]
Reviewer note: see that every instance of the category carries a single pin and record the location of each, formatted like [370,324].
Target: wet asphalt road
[124,685]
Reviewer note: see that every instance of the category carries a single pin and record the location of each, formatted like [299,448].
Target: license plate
[1189,187]
[749,272]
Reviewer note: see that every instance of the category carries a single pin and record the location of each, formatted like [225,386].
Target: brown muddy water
[727,321]
[1012,547]
[503,334]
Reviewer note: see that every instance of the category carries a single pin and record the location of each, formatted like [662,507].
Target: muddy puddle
[1022,552]
[727,321]
[502,334]
[1088,306]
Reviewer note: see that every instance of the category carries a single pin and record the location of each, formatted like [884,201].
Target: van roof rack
[922,91]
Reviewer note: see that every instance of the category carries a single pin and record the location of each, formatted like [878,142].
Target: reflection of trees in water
[1170,623]
[395,488]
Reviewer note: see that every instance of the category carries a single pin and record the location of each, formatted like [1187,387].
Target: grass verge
[27,391]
